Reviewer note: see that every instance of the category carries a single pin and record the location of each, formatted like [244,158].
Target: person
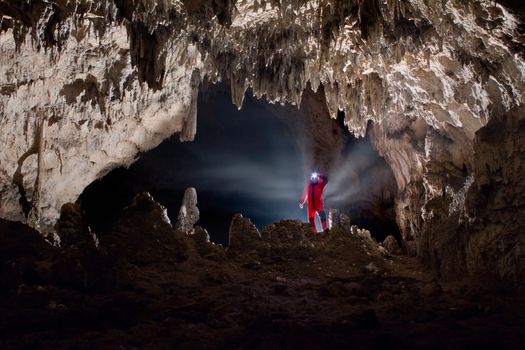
[313,193]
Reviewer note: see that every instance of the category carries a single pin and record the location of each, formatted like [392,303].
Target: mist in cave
[247,161]
[240,162]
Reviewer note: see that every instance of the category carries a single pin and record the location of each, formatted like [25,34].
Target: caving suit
[313,193]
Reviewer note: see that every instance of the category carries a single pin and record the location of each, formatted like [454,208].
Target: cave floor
[148,287]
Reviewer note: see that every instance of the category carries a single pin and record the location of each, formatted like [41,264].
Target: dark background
[245,162]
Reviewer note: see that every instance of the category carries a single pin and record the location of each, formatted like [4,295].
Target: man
[313,192]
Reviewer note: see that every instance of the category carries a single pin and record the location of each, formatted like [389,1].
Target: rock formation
[390,244]
[86,86]
[188,212]
[243,234]
[147,285]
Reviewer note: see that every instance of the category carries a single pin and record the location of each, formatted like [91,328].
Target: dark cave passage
[251,162]
[363,187]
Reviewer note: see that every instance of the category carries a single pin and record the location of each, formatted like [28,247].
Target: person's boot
[324,225]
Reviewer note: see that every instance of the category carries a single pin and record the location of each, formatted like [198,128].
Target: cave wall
[320,138]
[87,86]
[71,113]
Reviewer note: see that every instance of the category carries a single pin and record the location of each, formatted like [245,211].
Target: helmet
[314,177]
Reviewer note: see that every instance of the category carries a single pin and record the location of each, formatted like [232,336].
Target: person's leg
[322,215]
[312,222]
[311,216]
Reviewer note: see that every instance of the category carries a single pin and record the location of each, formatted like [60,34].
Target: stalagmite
[188,213]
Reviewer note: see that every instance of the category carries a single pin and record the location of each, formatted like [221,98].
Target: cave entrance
[253,161]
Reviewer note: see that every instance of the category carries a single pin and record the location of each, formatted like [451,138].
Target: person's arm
[304,196]
[324,178]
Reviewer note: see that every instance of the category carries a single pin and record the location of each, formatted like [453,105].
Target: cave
[154,157]
[252,161]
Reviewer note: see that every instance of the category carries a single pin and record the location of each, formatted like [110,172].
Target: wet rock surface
[149,286]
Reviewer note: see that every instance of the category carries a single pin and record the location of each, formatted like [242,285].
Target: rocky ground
[145,285]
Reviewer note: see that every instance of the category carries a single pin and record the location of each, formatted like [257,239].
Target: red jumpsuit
[313,192]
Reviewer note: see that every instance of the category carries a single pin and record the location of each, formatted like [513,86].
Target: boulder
[72,226]
[243,234]
[391,246]
[144,234]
